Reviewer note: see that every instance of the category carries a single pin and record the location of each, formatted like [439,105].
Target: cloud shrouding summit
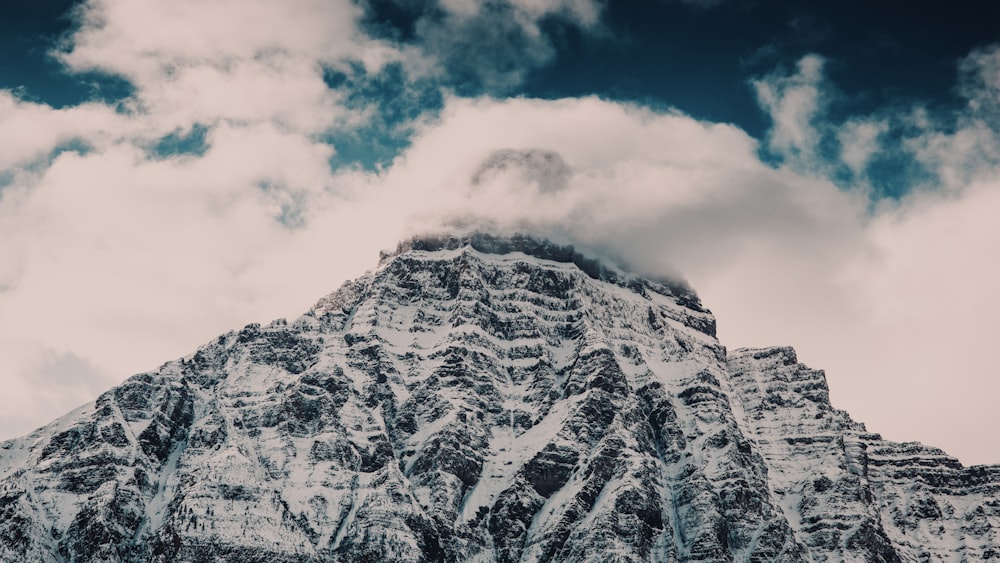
[119,255]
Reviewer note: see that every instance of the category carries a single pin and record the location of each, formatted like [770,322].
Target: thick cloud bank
[119,254]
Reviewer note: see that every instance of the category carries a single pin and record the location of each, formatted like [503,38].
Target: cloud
[112,255]
[30,131]
[189,202]
[980,82]
[962,148]
[892,151]
[109,254]
[203,62]
[479,46]
[45,383]
[859,142]
[120,252]
[919,299]
[115,270]
[544,170]
[794,101]
[932,299]
[893,297]
[145,40]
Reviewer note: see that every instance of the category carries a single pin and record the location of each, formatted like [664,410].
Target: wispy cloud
[795,102]
[891,151]
[491,45]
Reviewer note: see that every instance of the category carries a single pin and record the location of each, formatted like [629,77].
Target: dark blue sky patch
[78,146]
[29,32]
[659,54]
[699,60]
[883,58]
[484,54]
[181,143]
[394,102]
[6,178]
[366,148]
[336,79]
[394,96]
[105,88]
[394,20]
[895,174]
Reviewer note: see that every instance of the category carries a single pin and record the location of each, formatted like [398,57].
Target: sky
[826,175]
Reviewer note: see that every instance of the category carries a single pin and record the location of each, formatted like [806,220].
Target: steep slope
[483,399]
[850,494]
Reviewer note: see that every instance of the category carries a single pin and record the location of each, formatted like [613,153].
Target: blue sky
[825,174]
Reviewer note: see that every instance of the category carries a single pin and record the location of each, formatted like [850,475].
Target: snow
[156,508]
[508,454]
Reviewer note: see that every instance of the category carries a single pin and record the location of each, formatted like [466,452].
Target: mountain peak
[543,249]
[489,398]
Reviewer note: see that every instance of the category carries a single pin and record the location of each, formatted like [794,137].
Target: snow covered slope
[480,398]
[850,495]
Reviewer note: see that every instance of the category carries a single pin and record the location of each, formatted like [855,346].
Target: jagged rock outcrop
[479,398]
[849,494]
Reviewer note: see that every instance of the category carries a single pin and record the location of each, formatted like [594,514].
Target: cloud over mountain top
[114,248]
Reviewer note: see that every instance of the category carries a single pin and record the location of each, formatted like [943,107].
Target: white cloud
[914,328]
[226,60]
[144,40]
[962,149]
[116,255]
[114,261]
[144,250]
[490,46]
[794,102]
[933,302]
[30,131]
[886,301]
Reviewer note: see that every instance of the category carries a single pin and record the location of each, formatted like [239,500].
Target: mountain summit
[481,398]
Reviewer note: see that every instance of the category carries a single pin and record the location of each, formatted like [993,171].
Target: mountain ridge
[492,399]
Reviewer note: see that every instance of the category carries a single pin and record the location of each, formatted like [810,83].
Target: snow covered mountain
[479,398]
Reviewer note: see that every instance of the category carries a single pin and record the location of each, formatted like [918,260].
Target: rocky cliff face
[485,399]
